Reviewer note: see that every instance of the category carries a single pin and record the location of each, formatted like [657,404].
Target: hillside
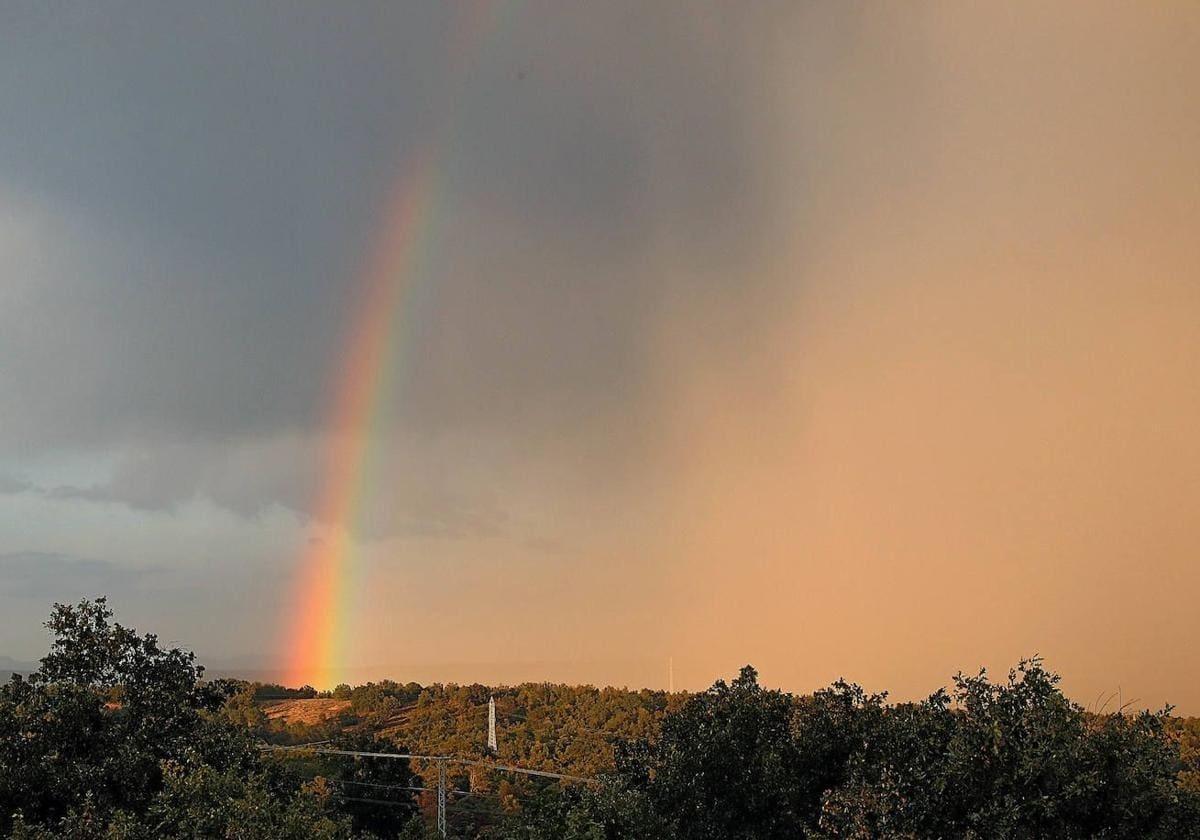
[10,666]
[542,726]
[305,712]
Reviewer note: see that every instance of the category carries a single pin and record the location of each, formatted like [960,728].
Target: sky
[844,339]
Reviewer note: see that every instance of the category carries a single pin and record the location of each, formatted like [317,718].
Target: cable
[374,784]
[391,802]
[468,761]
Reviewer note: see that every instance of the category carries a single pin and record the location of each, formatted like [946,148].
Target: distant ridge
[10,666]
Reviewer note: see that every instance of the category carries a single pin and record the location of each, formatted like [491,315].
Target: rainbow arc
[368,371]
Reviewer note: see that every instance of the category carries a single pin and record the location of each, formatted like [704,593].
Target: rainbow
[367,372]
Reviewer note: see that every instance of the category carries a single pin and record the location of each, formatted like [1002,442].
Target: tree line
[116,737]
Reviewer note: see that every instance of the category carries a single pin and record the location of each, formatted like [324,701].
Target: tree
[117,737]
[377,793]
[612,811]
[240,709]
[1014,759]
[725,766]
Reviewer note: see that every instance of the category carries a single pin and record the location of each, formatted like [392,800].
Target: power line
[419,789]
[373,784]
[441,761]
[360,753]
[391,802]
[449,758]
[511,769]
[411,725]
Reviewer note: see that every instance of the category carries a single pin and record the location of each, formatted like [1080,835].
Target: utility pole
[441,761]
[441,797]
[492,724]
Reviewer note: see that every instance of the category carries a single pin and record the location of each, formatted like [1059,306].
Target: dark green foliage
[241,710]
[610,811]
[387,783]
[1010,760]
[559,728]
[725,765]
[1185,733]
[381,701]
[274,691]
[117,737]
[1013,759]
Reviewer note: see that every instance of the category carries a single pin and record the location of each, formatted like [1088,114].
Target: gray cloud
[11,484]
[435,499]
[48,576]
[189,192]
[776,282]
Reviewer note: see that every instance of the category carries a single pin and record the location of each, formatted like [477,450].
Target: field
[307,712]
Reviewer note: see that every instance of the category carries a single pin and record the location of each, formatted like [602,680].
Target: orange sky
[844,339]
[941,412]
[968,431]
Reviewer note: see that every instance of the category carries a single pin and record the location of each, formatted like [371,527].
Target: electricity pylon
[492,725]
[441,797]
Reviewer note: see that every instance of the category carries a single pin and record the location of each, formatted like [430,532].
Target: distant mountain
[10,666]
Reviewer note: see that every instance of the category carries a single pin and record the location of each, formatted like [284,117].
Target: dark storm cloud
[187,192]
[250,130]
[155,483]
[435,500]
[10,484]
[49,576]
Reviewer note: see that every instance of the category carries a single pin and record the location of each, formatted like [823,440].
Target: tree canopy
[1011,759]
[116,737]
